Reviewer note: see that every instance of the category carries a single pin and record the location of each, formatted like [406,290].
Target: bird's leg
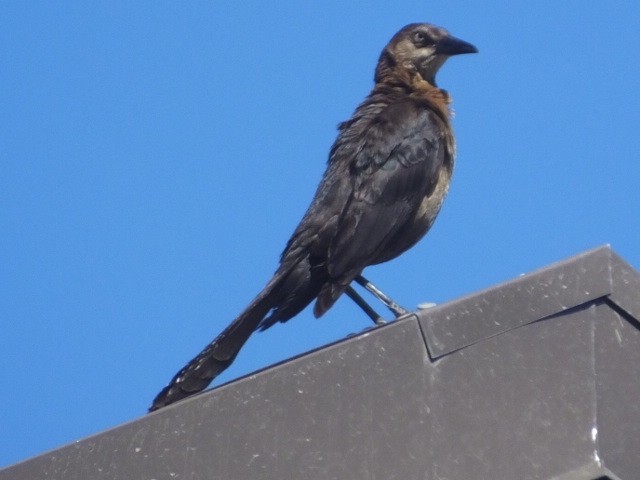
[371,313]
[396,309]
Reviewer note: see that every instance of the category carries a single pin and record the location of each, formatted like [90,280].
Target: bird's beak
[454,46]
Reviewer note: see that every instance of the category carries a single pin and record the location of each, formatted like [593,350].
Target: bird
[387,175]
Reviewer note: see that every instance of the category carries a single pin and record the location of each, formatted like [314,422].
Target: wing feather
[397,165]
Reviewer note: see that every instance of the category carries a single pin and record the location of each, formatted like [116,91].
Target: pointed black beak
[454,46]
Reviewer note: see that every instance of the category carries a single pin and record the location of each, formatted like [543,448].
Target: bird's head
[419,48]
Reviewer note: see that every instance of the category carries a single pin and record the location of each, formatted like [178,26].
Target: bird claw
[397,310]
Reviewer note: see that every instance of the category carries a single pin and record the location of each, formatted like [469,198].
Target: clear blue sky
[157,156]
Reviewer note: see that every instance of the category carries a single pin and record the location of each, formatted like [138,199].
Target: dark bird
[387,175]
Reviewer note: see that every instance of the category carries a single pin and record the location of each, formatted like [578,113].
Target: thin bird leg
[371,313]
[396,309]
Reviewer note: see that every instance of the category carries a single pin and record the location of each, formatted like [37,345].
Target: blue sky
[157,156]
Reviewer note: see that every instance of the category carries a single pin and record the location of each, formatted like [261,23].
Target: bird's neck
[390,78]
[408,82]
[430,93]
[396,87]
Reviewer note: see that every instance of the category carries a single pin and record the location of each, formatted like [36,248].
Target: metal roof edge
[625,292]
[531,297]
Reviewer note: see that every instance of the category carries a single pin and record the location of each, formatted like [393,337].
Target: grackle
[387,175]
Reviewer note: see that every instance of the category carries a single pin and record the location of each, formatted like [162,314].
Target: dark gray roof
[598,273]
[537,378]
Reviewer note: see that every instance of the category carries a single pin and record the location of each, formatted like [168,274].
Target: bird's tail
[220,353]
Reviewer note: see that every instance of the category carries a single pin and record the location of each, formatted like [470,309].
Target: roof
[536,378]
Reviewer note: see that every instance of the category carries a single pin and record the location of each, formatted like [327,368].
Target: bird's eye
[420,38]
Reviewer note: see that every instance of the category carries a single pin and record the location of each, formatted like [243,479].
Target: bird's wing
[396,166]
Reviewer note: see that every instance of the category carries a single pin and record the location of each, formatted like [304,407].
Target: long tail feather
[220,353]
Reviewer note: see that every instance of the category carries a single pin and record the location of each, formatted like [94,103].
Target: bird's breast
[431,204]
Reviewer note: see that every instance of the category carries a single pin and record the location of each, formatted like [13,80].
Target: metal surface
[538,378]
[626,285]
[526,299]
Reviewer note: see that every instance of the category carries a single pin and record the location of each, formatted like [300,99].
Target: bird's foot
[392,305]
[371,313]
